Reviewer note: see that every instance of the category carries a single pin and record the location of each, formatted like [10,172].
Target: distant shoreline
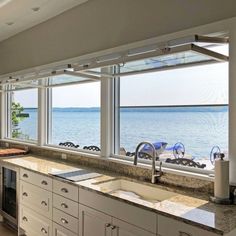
[185,108]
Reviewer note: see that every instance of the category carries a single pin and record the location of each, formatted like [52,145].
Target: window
[176,98]
[184,109]
[74,118]
[23,117]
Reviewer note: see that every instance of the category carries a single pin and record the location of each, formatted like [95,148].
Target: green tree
[16,118]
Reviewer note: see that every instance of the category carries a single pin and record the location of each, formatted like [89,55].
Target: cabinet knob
[25,194]
[63,205]
[44,182]
[108,225]
[25,176]
[113,227]
[24,218]
[44,203]
[181,233]
[44,231]
[64,221]
[64,190]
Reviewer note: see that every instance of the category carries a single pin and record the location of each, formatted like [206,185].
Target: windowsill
[116,159]
[20,142]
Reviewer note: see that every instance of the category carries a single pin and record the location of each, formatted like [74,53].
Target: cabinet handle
[44,231]
[64,190]
[108,225]
[25,176]
[44,182]
[64,205]
[24,218]
[64,221]
[181,233]
[113,227]
[44,203]
[25,194]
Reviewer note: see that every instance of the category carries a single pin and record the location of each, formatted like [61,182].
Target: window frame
[48,120]
[6,110]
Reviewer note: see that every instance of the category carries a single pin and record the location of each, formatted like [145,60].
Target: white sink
[129,189]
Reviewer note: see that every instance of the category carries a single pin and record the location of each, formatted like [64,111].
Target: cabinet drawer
[36,198]
[66,190]
[33,224]
[179,228]
[60,231]
[36,179]
[68,206]
[66,220]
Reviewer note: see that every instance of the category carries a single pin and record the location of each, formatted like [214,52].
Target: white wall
[103,24]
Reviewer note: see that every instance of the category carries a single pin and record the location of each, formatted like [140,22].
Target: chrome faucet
[156,174]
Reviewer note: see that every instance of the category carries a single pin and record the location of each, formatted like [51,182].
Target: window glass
[75,116]
[183,108]
[24,114]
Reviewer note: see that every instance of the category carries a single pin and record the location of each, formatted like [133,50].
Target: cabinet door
[93,222]
[121,228]
[179,228]
[60,231]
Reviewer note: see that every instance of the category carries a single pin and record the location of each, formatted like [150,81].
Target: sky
[198,85]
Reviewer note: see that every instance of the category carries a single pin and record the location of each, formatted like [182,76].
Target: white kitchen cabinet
[121,228]
[39,180]
[171,227]
[33,224]
[69,222]
[35,215]
[61,231]
[68,206]
[66,190]
[93,222]
[38,199]
[134,215]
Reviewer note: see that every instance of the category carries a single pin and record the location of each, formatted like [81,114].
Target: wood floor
[5,231]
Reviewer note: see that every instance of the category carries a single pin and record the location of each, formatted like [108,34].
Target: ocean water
[198,128]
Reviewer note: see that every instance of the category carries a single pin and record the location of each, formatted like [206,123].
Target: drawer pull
[113,227]
[25,176]
[44,231]
[63,205]
[181,233]
[64,221]
[24,218]
[44,203]
[44,182]
[108,225]
[25,194]
[64,190]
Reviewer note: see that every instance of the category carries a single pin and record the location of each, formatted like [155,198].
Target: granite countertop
[186,207]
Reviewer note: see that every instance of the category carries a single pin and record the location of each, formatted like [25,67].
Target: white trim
[106,111]
[42,114]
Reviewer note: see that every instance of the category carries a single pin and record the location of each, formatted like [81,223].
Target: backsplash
[185,183]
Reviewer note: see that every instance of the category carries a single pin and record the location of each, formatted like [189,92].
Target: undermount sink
[129,189]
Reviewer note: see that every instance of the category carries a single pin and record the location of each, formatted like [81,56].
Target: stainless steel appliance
[8,194]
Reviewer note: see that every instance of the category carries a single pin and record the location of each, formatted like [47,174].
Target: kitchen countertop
[189,208]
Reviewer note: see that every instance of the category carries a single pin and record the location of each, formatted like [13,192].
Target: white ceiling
[18,15]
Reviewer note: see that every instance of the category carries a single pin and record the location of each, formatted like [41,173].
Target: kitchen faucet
[156,174]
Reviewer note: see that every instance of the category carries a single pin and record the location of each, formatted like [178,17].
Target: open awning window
[177,53]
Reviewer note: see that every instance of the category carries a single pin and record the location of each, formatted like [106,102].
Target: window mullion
[106,113]
[42,111]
